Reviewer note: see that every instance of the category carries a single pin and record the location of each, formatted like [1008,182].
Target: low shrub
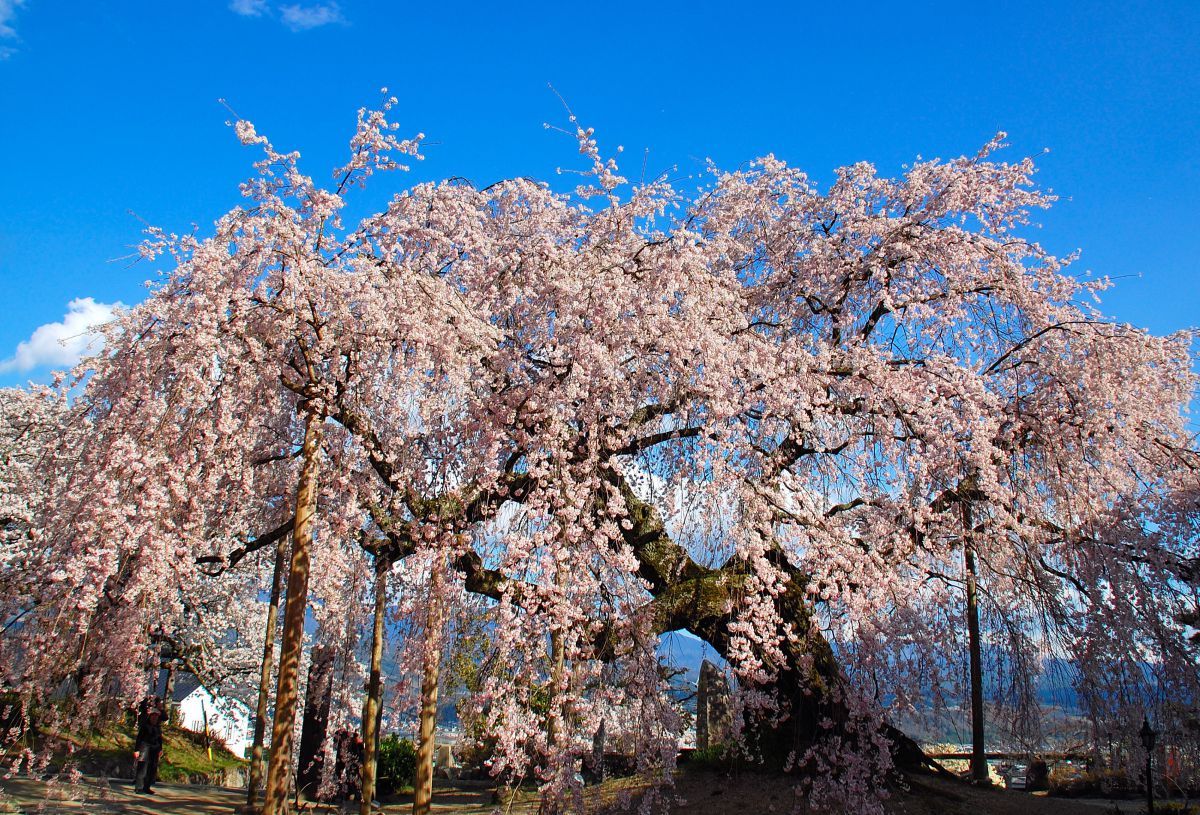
[722,756]
[1105,783]
[1176,808]
[397,764]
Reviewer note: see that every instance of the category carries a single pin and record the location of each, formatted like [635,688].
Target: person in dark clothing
[148,748]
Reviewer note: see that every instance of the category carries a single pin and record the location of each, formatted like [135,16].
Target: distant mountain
[684,651]
[1055,689]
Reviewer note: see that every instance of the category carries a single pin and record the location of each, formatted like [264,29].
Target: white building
[228,719]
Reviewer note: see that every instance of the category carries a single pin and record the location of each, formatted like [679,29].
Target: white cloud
[247,8]
[64,343]
[8,11]
[296,17]
[302,18]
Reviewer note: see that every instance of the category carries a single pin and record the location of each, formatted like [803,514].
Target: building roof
[185,685]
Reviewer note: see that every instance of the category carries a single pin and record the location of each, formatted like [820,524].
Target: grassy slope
[110,751]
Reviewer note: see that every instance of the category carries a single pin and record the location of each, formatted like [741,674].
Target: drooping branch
[662,562]
[233,558]
[654,439]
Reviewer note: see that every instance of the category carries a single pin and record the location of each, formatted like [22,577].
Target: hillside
[109,752]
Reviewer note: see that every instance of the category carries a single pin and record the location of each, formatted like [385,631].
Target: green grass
[109,750]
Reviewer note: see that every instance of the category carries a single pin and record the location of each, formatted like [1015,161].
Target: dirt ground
[709,793]
[94,796]
[700,793]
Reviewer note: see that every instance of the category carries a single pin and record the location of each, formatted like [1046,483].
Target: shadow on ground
[698,793]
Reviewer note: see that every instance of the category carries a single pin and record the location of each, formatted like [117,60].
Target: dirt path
[746,793]
[21,795]
[705,793]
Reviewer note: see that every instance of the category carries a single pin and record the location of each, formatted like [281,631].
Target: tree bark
[979,767]
[704,600]
[279,768]
[310,765]
[264,677]
[431,665]
[372,706]
[556,712]
[558,667]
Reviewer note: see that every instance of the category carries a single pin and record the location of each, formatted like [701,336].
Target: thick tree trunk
[310,765]
[431,665]
[264,676]
[372,706]
[279,768]
[979,767]
[556,714]
[558,667]
[702,600]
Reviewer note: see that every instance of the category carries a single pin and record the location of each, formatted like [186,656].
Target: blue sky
[111,108]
